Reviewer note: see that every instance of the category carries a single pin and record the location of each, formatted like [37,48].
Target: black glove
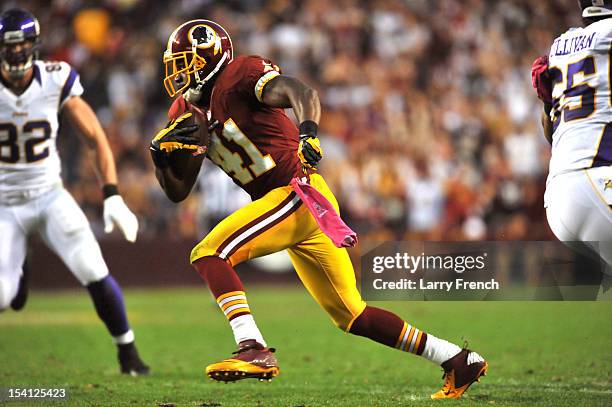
[172,138]
[309,150]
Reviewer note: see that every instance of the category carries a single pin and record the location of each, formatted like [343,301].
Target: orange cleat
[252,360]
[460,372]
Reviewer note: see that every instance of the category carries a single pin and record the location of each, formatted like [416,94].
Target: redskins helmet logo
[203,36]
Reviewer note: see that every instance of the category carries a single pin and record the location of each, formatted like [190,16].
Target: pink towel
[325,215]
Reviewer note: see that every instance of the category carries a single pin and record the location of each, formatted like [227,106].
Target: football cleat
[252,361]
[460,372]
[22,292]
[130,361]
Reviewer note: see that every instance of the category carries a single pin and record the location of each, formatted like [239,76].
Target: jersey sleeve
[68,81]
[257,73]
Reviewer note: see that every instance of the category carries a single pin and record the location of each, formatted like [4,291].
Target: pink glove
[541,80]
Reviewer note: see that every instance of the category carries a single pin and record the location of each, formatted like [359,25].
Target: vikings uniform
[256,146]
[579,187]
[32,198]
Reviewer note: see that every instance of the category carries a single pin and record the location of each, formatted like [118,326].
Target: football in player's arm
[178,172]
[32,198]
[256,144]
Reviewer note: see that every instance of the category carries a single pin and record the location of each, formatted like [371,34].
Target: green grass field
[540,353]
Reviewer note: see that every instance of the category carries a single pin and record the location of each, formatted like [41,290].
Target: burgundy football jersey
[255,144]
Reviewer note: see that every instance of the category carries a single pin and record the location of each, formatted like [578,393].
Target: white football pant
[579,211]
[61,223]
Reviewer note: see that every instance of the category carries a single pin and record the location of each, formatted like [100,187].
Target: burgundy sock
[225,285]
[219,275]
[389,329]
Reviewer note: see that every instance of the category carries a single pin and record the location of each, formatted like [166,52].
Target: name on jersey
[566,46]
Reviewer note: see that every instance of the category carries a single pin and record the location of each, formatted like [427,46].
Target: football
[185,161]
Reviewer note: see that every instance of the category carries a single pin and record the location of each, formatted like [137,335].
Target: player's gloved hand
[309,150]
[174,138]
[117,213]
[541,80]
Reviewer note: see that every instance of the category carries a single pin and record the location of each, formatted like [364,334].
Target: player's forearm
[104,162]
[175,189]
[306,105]
[547,124]
[88,125]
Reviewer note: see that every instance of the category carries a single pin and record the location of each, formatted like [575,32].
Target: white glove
[117,212]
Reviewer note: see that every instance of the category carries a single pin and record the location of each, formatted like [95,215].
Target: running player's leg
[328,274]
[66,231]
[267,225]
[13,243]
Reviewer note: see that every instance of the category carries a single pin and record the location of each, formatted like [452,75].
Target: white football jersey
[579,63]
[28,127]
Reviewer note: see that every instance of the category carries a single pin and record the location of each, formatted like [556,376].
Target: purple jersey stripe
[37,74]
[604,152]
[68,85]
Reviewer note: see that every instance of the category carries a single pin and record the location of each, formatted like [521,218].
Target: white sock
[438,350]
[244,328]
[124,339]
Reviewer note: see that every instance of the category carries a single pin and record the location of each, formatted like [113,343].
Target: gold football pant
[280,221]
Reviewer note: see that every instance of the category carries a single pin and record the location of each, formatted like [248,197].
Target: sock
[229,294]
[244,328]
[438,350]
[125,339]
[389,329]
[108,300]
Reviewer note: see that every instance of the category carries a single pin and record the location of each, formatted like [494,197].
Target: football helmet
[18,27]
[595,8]
[197,50]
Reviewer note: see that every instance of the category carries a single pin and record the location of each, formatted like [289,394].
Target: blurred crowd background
[430,126]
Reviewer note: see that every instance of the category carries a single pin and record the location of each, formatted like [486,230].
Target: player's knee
[88,265]
[341,324]
[201,250]
[343,316]
[207,265]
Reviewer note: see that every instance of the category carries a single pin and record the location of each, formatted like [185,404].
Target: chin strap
[192,95]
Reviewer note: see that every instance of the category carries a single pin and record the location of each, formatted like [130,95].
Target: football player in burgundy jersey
[262,150]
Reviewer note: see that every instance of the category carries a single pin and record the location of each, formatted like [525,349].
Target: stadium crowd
[430,126]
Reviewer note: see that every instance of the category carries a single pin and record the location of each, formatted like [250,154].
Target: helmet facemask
[17,57]
[181,71]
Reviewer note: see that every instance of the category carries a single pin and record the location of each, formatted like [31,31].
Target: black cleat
[130,361]
[22,292]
